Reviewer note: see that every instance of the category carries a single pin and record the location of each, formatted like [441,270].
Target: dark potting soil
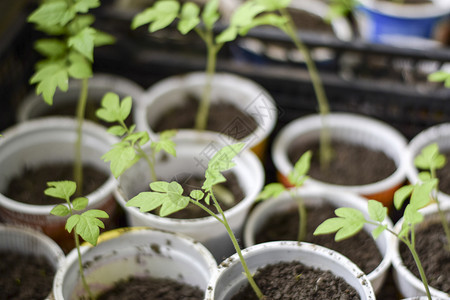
[293,280]
[410,1]
[351,164]
[223,117]
[24,277]
[435,259]
[361,248]
[305,21]
[194,183]
[444,175]
[152,288]
[29,187]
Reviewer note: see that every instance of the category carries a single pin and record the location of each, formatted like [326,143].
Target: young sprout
[86,225]
[350,221]
[68,54]
[296,177]
[440,76]
[129,151]
[340,8]
[169,197]
[286,24]
[190,17]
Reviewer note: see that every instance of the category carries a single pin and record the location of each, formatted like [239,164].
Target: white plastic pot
[138,252]
[439,134]
[241,92]
[314,196]
[407,283]
[28,241]
[48,140]
[230,277]
[405,25]
[34,106]
[351,128]
[193,155]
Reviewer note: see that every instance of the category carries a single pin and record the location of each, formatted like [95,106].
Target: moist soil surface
[293,280]
[351,164]
[24,277]
[192,211]
[361,248]
[29,187]
[152,288]
[435,259]
[223,117]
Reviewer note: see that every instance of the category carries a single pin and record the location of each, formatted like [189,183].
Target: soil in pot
[305,21]
[231,187]
[284,226]
[435,259]
[223,117]
[444,175]
[29,187]
[293,280]
[152,288]
[351,164]
[24,277]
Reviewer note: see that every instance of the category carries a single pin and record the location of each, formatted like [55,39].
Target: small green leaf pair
[87,224]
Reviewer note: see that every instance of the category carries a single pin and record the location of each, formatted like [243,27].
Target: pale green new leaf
[122,156]
[412,216]
[379,230]
[50,76]
[88,226]
[71,222]
[401,195]
[189,17]
[271,190]
[160,186]
[110,108]
[144,17]
[421,195]
[83,42]
[80,203]
[102,38]
[447,82]
[197,195]
[221,161]
[272,5]
[266,19]
[61,189]
[227,35]
[140,137]
[96,213]
[60,210]
[176,200]
[79,23]
[51,13]
[438,76]
[430,158]
[165,12]
[377,211]
[117,130]
[165,143]
[298,174]
[80,67]
[50,47]
[210,13]
[244,15]
[147,201]
[125,108]
[424,176]
[83,6]
[349,222]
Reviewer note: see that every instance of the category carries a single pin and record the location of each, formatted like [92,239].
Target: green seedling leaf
[61,189]
[50,47]
[401,195]
[167,195]
[50,76]
[271,190]
[220,162]
[298,175]
[71,222]
[165,143]
[227,35]
[80,203]
[412,216]
[102,38]
[197,195]
[438,76]
[424,176]
[79,68]
[160,15]
[246,13]
[273,5]
[88,225]
[110,110]
[210,13]
[79,23]
[122,156]
[379,230]
[117,130]
[141,137]
[377,211]
[189,17]
[349,222]
[421,195]
[83,42]
[83,6]
[430,158]
[52,13]
[60,210]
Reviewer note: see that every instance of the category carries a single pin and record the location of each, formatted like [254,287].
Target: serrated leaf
[79,23]
[438,76]
[298,174]
[80,203]
[377,231]
[110,108]
[245,14]
[122,156]
[79,68]
[60,210]
[125,108]
[88,228]
[117,130]
[377,211]
[271,190]
[96,213]
[147,201]
[160,186]
[102,38]
[83,42]
[430,158]
[401,195]
[50,76]
[83,6]
[349,222]
[227,35]
[51,13]
[197,195]
[144,17]
[421,195]
[412,215]
[189,17]
[221,161]
[61,189]
[50,47]
[210,13]
[273,5]
[166,13]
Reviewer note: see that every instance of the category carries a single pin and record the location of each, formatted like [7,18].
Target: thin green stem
[247,272]
[80,265]
[419,266]
[81,108]
[324,109]
[302,215]
[149,161]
